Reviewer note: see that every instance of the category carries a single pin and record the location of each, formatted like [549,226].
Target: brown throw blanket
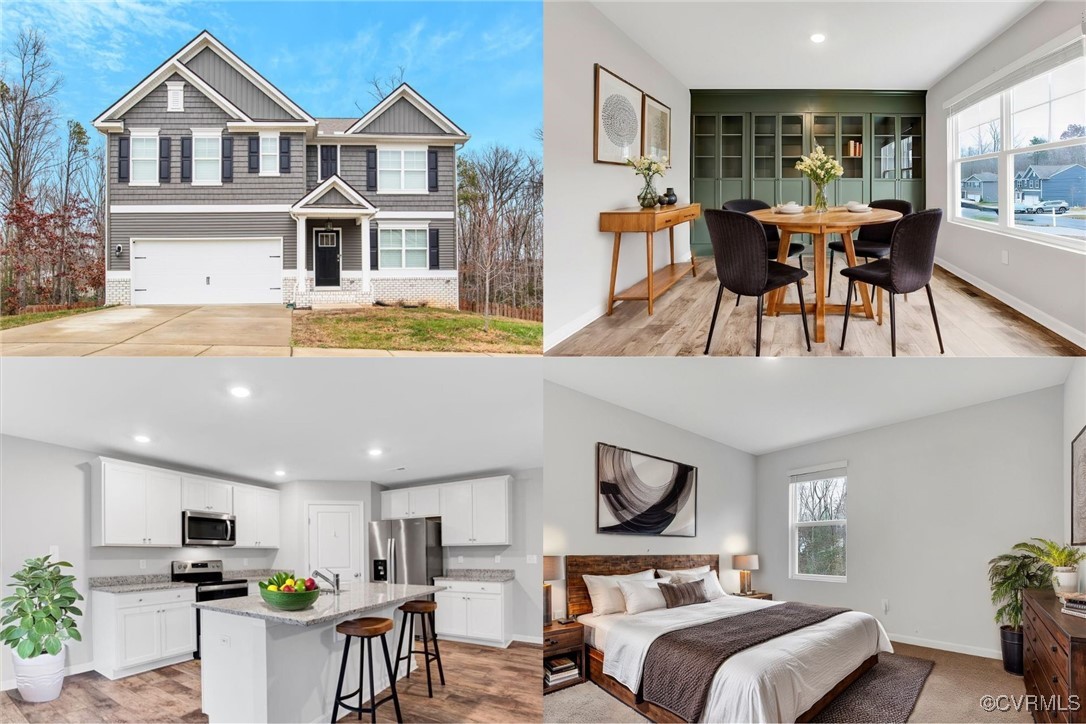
[680,665]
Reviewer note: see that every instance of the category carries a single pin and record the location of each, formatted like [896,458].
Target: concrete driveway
[228,330]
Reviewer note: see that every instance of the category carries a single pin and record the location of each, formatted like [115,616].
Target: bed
[788,678]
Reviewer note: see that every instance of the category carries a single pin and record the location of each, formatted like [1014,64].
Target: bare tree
[382,87]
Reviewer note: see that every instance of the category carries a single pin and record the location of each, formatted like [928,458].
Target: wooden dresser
[1054,657]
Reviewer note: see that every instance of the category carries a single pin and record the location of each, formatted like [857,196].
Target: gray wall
[1074,419]
[1060,300]
[574,423]
[237,88]
[930,501]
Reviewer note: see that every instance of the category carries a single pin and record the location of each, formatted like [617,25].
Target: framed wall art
[1078,489]
[639,494]
[656,130]
[617,111]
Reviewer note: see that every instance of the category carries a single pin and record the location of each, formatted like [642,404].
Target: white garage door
[207,271]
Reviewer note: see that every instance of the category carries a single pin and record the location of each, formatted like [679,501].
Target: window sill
[402,192]
[206,183]
[823,579]
[263,173]
[143,183]
[1021,234]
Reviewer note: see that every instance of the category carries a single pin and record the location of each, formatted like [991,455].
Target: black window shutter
[333,161]
[186,158]
[122,158]
[284,154]
[227,158]
[435,249]
[254,154]
[374,258]
[371,169]
[164,159]
[328,161]
[432,170]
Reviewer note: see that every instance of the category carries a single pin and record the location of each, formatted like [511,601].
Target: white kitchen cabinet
[257,514]
[200,493]
[474,611]
[457,518]
[137,632]
[475,512]
[421,502]
[134,505]
[178,629]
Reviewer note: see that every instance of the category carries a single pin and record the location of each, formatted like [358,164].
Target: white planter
[39,678]
[1065,579]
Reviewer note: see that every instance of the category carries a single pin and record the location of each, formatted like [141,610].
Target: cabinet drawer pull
[1055,679]
[1053,648]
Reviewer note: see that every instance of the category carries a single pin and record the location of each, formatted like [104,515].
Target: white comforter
[772,682]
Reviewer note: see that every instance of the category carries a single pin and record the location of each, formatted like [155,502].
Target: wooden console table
[649,221]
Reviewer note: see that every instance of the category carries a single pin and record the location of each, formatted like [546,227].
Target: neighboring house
[1065,182]
[221,190]
[983,186]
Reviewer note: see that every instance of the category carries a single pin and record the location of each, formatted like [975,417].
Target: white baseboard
[1063,329]
[6,684]
[946,646]
[477,642]
[529,639]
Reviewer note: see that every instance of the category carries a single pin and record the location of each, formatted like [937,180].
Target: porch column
[301,280]
[364,222]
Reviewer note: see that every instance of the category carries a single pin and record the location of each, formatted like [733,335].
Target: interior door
[456,515]
[335,539]
[163,508]
[326,259]
[124,505]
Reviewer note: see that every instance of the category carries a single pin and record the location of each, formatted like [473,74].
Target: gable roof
[982,176]
[1047,172]
[334,183]
[410,95]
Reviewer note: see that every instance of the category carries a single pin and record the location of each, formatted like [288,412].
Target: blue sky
[480,63]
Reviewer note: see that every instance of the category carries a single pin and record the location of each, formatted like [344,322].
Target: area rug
[887,693]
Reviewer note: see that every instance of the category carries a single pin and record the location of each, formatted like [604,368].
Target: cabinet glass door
[912,147]
[765,146]
[705,147]
[792,146]
[731,147]
[884,138]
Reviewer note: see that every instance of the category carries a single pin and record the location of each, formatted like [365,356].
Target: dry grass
[21,320]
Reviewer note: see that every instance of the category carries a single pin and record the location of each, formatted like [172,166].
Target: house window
[206,157]
[175,96]
[818,524]
[401,171]
[1019,152]
[403,248]
[144,157]
[269,154]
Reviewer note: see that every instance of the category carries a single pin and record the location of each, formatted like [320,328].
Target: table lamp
[745,564]
[552,571]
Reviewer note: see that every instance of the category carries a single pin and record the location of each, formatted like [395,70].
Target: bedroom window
[403,249]
[269,154]
[144,152]
[401,171]
[206,157]
[819,523]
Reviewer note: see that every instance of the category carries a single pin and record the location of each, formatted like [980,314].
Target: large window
[206,158]
[401,170]
[1019,153]
[269,154]
[818,524]
[403,249]
[144,150]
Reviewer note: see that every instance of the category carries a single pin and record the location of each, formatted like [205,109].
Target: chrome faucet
[333,581]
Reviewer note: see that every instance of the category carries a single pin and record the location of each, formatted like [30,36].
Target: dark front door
[326,259]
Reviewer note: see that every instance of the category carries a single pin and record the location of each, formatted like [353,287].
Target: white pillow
[713,589]
[686,572]
[605,593]
[643,596]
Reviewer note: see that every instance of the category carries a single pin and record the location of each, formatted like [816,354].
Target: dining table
[835,220]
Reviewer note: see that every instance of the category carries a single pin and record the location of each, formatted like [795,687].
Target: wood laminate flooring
[974,324]
[483,684]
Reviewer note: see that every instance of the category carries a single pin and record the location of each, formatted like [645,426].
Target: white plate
[859,209]
[789,209]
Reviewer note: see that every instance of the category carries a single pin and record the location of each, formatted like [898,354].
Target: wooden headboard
[577,600]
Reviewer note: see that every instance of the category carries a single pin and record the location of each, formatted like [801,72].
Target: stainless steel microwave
[200,528]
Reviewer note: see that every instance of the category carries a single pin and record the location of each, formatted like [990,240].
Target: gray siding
[352,167]
[446,239]
[311,160]
[237,88]
[402,117]
[123,227]
[350,238]
[332,197]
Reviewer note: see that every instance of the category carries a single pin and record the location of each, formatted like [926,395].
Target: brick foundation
[417,290]
[118,291]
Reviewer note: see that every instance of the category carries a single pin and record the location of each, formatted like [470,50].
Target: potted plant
[1064,560]
[1008,574]
[38,618]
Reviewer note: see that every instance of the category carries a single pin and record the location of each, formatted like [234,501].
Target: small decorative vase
[648,198]
[672,199]
[820,204]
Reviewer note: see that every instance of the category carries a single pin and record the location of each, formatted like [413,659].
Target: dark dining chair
[907,268]
[742,267]
[872,241]
[772,235]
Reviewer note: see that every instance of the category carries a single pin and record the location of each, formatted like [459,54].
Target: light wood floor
[483,684]
[974,324]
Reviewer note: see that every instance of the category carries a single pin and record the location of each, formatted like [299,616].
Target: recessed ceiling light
[240,391]
[818,38]
[280,473]
[376,452]
[141,438]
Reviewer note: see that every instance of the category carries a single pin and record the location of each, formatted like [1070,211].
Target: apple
[287,588]
[310,584]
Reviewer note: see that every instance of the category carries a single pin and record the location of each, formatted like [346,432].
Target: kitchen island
[260,664]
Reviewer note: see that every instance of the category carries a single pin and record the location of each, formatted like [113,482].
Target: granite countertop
[329,607]
[140,587]
[479,575]
[162,582]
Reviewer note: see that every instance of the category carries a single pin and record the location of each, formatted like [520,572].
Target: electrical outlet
[886,605]
[460,559]
[497,559]
[54,552]
[1005,257]
[533,559]
[143,565]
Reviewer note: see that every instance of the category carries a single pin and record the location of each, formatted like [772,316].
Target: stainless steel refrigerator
[406,551]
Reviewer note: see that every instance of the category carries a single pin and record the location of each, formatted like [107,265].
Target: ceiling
[769,404]
[316,419]
[869,45]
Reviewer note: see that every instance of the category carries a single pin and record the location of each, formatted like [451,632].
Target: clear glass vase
[820,203]
[648,197]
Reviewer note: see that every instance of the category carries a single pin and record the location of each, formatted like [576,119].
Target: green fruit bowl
[296,601]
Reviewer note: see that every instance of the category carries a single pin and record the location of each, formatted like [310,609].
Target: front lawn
[20,320]
[422,329]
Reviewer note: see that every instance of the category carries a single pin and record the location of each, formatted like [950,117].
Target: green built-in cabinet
[745,144]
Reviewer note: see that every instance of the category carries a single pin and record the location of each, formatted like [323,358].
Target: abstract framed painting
[1078,489]
[656,130]
[640,494]
[616,134]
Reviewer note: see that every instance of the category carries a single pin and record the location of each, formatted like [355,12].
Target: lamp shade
[745,563]
[552,568]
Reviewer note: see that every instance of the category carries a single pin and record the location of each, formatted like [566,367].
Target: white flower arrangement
[646,167]
[819,167]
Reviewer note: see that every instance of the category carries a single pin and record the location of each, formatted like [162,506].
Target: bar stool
[366,629]
[425,610]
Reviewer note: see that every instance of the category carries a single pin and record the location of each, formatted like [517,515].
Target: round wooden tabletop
[837,217]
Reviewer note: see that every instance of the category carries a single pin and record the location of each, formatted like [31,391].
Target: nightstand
[563,641]
[757,594]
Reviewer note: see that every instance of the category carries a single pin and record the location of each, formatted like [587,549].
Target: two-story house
[222,190]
